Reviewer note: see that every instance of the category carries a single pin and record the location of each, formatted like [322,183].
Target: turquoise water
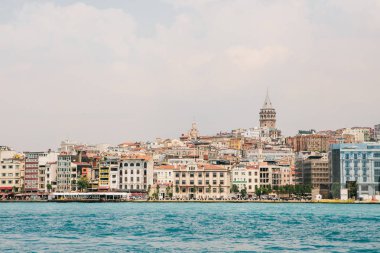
[188,227]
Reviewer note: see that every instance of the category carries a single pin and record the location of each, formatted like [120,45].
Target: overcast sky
[114,71]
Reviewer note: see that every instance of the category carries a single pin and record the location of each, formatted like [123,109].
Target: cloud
[85,71]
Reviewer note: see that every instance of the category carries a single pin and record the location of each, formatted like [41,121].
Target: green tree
[49,187]
[243,192]
[168,191]
[234,188]
[258,191]
[83,183]
[177,189]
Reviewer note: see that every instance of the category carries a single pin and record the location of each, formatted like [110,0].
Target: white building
[136,173]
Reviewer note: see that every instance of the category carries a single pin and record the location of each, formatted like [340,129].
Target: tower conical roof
[267,102]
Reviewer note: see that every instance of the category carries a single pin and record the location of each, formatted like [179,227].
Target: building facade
[314,170]
[136,173]
[356,165]
[11,175]
[201,181]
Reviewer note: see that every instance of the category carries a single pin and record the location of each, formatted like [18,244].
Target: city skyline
[110,72]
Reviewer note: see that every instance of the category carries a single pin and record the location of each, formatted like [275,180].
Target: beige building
[11,171]
[201,181]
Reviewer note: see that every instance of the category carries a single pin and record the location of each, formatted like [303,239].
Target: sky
[115,71]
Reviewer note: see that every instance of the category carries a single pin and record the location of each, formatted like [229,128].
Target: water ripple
[188,227]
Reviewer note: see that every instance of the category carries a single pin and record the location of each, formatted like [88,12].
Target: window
[131,179]
[137,171]
[183,174]
[214,190]
[213,182]
[183,181]
[145,165]
[132,165]
[207,174]
[222,182]
[199,174]
[376,155]
[200,182]
[207,190]
[191,181]
[125,164]
[207,182]
[377,164]
[177,174]
[221,174]
[221,190]
[191,174]
[138,179]
[214,174]
[131,171]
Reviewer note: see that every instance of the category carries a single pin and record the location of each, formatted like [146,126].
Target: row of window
[9,181]
[200,182]
[243,173]
[9,174]
[10,166]
[132,165]
[200,174]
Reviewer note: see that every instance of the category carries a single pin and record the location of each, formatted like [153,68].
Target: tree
[83,183]
[243,192]
[14,189]
[157,191]
[168,191]
[177,189]
[49,187]
[258,191]
[234,188]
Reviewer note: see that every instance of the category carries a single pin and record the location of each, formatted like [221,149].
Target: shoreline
[190,201]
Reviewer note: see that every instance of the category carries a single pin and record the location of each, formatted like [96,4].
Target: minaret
[267,114]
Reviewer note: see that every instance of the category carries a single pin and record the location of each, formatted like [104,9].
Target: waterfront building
[356,166]
[109,174]
[201,181]
[35,163]
[51,176]
[11,175]
[313,169]
[136,173]
[163,180]
[66,172]
[239,176]
[253,178]
[275,175]
[164,174]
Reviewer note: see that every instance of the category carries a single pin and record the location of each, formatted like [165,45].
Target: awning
[6,187]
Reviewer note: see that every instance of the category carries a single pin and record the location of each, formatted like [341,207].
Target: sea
[189,227]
